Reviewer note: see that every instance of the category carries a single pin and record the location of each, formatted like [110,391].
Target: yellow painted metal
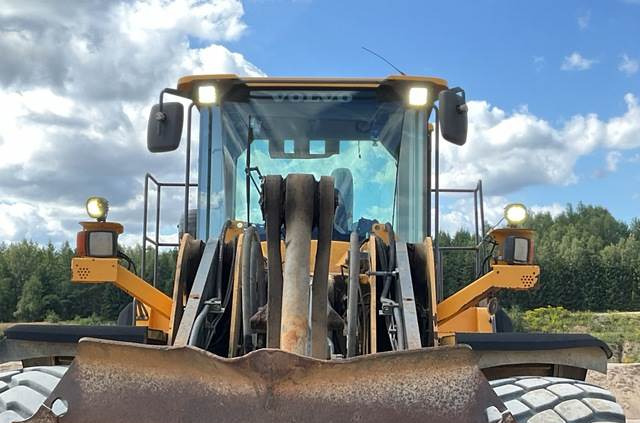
[102,226]
[500,234]
[379,230]
[186,84]
[473,319]
[236,227]
[337,258]
[189,247]
[373,306]
[501,276]
[236,306]
[431,275]
[108,270]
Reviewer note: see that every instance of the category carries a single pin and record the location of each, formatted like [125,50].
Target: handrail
[479,233]
[155,239]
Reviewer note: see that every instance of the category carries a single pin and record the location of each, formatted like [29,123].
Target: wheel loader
[309,277]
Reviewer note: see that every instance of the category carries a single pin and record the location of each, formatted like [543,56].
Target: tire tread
[541,399]
[22,392]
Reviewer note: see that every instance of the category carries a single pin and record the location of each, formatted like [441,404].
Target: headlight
[515,214]
[516,250]
[97,208]
[102,244]
[206,94]
[418,96]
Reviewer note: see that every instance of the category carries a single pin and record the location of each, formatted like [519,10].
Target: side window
[211,201]
[411,178]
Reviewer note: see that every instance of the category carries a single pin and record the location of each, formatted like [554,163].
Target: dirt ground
[12,365]
[624,381]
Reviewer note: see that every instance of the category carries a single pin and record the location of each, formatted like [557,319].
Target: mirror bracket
[164,128]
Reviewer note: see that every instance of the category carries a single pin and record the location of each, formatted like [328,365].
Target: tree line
[589,261]
[35,284]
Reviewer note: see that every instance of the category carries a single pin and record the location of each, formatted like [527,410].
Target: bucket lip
[270,385]
[460,350]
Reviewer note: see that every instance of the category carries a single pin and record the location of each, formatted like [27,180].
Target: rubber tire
[555,400]
[22,392]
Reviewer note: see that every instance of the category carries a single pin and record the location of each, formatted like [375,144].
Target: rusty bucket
[121,382]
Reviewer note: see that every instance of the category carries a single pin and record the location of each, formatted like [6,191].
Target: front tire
[22,392]
[555,400]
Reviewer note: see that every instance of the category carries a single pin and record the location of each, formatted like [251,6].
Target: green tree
[30,306]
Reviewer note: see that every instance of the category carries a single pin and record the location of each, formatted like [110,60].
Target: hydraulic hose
[195,331]
[352,299]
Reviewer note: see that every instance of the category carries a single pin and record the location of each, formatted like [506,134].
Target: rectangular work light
[516,250]
[207,94]
[418,96]
[102,244]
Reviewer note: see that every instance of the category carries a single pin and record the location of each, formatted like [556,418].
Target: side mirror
[453,115]
[164,129]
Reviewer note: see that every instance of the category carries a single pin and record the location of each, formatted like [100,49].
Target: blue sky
[507,53]
[553,89]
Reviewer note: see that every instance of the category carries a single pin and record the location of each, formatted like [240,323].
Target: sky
[553,90]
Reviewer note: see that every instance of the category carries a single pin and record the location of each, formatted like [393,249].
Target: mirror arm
[160,115]
[168,91]
[463,108]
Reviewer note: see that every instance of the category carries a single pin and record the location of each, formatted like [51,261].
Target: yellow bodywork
[108,270]
[459,312]
[186,84]
[472,319]
[501,276]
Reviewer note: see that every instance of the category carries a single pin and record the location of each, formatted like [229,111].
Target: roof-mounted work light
[515,214]
[418,96]
[97,208]
[207,94]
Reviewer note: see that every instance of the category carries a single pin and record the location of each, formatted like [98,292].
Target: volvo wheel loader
[309,283]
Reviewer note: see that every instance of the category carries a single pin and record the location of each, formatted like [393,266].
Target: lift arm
[108,270]
[501,276]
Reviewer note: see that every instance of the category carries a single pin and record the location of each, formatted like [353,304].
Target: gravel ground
[12,365]
[624,381]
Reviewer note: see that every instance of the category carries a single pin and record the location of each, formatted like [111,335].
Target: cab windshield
[373,147]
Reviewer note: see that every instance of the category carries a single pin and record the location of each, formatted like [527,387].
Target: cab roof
[187,83]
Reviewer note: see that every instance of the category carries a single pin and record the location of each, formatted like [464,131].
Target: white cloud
[538,62]
[554,209]
[612,159]
[76,84]
[575,61]
[510,151]
[628,65]
[584,20]
[459,214]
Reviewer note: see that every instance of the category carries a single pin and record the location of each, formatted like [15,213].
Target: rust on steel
[131,383]
[271,202]
[298,221]
[320,285]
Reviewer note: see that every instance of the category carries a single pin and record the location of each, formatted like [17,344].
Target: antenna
[386,61]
